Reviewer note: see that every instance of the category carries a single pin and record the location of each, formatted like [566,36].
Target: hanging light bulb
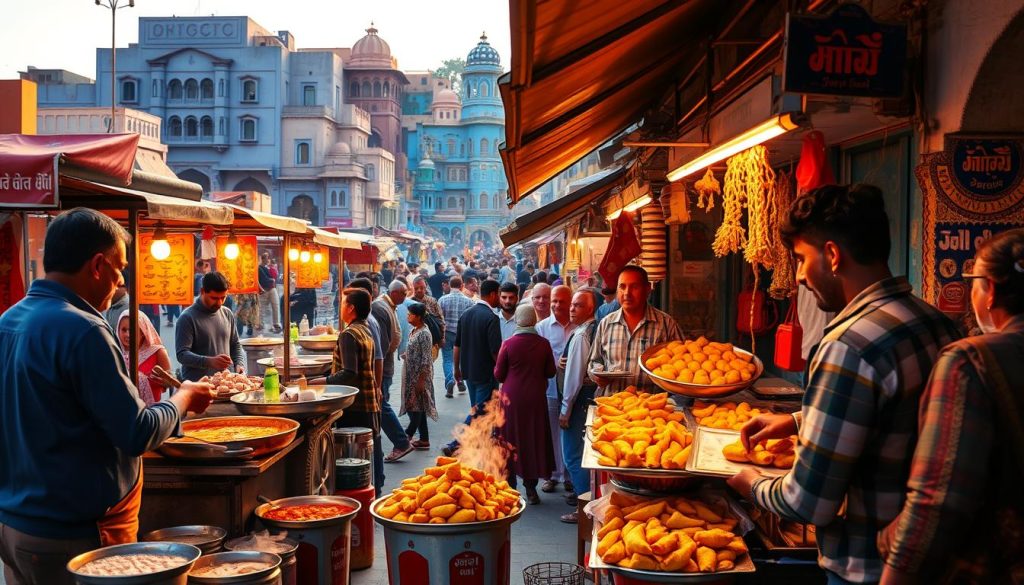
[159,248]
[231,250]
[318,257]
[304,255]
[293,253]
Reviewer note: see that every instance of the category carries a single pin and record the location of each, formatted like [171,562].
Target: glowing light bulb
[231,250]
[304,256]
[159,248]
[318,257]
[293,254]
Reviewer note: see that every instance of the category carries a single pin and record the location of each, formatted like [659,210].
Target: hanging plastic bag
[623,246]
[813,170]
[789,340]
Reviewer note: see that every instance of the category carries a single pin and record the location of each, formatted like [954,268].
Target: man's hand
[193,397]
[458,375]
[563,421]
[561,362]
[220,362]
[743,481]
[240,369]
[767,426]
[599,380]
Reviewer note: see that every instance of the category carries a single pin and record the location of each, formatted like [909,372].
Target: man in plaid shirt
[858,423]
[453,304]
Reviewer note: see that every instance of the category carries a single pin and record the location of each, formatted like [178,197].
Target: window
[334,198]
[129,91]
[371,173]
[387,90]
[191,89]
[156,88]
[342,198]
[174,89]
[423,81]
[250,90]
[353,89]
[222,127]
[337,99]
[174,126]
[376,89]
[451,147]
[485,147]
[206,126]
[191,127]
[220,88]
[483,201]
[309,94]
[485,89]
[365,89]
[469,147]
[451,203]
[497,201]
[462,150]
[302,152]
[247,129]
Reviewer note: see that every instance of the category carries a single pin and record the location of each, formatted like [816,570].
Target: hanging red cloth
[813,170]
[12,285]
[623,246]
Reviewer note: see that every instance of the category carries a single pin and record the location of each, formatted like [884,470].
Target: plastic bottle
[304,326]
[294,332]
[271,385]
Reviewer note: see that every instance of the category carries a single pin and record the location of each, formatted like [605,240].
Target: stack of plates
[653,243]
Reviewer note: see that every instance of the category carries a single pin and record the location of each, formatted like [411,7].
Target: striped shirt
[454,304]
[616,348]
[352,365]
[859,423]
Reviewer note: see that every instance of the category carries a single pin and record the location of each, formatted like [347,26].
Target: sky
[64,34]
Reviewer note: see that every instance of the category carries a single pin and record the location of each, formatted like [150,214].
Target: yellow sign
[166,282]
[311,274]
[242,272]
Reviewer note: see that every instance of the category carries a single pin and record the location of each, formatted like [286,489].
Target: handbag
[764,312]
[789,339]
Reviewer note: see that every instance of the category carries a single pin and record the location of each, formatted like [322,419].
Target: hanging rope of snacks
[783,284]
[730,236]
[762,229]
[707,187]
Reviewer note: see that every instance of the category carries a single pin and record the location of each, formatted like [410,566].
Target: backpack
[430,320]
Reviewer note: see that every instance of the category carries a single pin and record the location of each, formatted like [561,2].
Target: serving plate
[330,398]
[691,390]
[283,431]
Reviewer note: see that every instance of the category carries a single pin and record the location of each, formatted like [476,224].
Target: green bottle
[294,333]
[271,385]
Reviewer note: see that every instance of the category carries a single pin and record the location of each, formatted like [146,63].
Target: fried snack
[778,453]
[724,415]
[702,362]
[450,493]
[668,534]
[639,429]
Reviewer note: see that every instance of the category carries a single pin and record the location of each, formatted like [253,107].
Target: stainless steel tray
[331,398]
[272,561]
[590,456]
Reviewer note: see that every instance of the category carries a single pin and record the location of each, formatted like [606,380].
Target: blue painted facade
[458,178]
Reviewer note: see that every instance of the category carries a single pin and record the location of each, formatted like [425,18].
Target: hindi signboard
[242,272]
[169,281]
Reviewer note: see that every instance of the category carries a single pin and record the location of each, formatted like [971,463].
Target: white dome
[426,164]
[446,97]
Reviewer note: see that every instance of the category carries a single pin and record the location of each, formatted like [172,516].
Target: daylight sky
[64,34]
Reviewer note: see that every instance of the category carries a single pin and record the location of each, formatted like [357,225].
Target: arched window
[191,127]
[376,89]
[371,173]
[343,199]
[485,147]
[250,90]
[484,201]
[206,89]
[469,147]
[174,126]
[462,150]
[366,90]
[302,153]
[248,129]
[353,89]
[156,87]
[452,203]
[191,89]
[206,126]
[129,91]
[387,90]
[451,147]
[485,89]
[334,198]
[497,201]
[174,89]
[440,202]
[222,127]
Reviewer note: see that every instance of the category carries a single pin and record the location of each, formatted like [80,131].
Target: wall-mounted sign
[242,272]
[169,281]
[972,190]
[844,53]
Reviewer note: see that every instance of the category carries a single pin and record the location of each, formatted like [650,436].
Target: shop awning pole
[286,309]
[133,297]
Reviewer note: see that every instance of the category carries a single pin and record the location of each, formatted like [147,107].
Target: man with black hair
[508,299]
[206,340]
[454,305]
[72,425]
[435,280]
[857,427]
[524,278]
[380,344]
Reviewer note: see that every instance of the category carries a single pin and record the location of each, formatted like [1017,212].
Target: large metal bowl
[444,529]
[208,538]
[304,500]
[318,342]
[331,398]
[284,430]
[698,390]
[261,342]
[176,575]
[251,556]
[306,365]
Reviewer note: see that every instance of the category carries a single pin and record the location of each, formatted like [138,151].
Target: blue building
[458,179]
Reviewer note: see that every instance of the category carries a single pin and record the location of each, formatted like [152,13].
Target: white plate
[706,457]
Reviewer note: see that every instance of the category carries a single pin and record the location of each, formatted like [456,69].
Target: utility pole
[113,5]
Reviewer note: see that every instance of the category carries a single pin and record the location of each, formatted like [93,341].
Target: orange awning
[584,70]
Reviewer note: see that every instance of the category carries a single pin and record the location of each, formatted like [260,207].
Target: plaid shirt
[454,304]
[964,476]
[618,349]
[859,424]
[352,365]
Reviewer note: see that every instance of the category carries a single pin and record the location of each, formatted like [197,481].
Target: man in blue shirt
[72,425]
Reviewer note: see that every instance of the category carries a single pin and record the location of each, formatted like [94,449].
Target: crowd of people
[910,451]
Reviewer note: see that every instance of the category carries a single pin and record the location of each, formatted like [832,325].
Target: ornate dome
[483,54]
[371,52]
[339,149]
[446,97]
[426,163]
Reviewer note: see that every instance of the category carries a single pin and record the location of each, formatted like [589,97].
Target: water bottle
[271,385]
[294,333]
[304,326]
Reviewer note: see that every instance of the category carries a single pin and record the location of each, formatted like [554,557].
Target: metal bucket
[271,575]
[284,548]
[473,552]
[324,545]
[174,576]
[207,538]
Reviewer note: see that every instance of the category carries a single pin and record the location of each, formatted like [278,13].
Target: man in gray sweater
[206,338]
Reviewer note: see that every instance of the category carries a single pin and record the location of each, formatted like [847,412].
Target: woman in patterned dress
[418,379]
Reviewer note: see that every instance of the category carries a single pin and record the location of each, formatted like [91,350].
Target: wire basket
[553,574]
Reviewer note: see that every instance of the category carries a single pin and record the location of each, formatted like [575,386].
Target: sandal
[420,445]
[397,454]
[570,518]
